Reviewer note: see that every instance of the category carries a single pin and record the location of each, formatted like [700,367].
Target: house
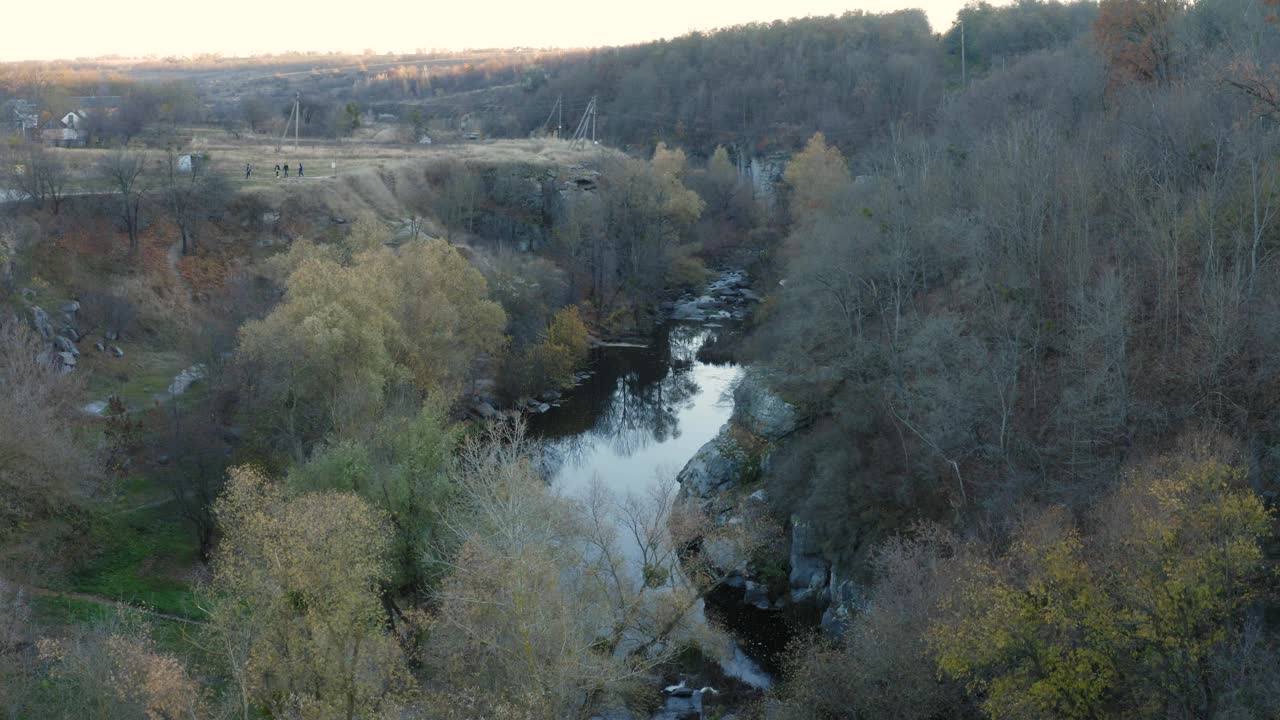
[62,133]
[76,120]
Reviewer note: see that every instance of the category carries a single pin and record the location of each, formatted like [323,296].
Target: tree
[295,592]
[1137,38]
[323,359]
[191,194]
[551,361]
[1142,612]
[26,165]
[1041,639]
[125,169]
[441,307]
[43,464]
[115,670]
[402,469]
[350,118]
[255,110]
[548,609]
[816,176]
[457,196]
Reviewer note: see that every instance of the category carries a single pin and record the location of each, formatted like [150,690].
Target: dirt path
[105,602]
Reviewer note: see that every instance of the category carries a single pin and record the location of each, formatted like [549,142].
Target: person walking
[286,169]
[277,171]
[299,169]
[248,170]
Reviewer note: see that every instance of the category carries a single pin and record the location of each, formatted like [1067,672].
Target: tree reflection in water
[637,398]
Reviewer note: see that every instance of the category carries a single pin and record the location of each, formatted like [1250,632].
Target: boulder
[95,408]
[710,471]
[115,350]
[71,308]
[756,595]
[40,320]
[760,410]
[65,345]
[112,335]
[551,395]
[185,379]
[484,410]
[99,347]
[66,359]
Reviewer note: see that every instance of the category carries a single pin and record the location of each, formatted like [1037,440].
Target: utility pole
[587,123]
[295,118]
[557,108]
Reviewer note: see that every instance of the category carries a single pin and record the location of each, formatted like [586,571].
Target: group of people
[248,170]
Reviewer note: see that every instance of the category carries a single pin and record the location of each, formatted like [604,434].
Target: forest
[1019,314]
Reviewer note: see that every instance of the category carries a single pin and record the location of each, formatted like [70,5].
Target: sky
[137,28]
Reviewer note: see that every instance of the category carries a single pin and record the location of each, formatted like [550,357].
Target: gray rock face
[846,598]
[760,410]
[40,320]
[809,569]
[709,471]
[65,345]
[726,556]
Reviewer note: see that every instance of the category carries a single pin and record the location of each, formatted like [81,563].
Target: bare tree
[125,169]
[190,191]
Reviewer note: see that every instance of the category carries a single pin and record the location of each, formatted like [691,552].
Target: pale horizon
[143,28]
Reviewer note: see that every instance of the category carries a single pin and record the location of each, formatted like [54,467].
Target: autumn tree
[321,359]
[295,602]
[1141,612]
[43,462]
[442,310]
[1137,37]
[555,604]
[401,467]
[815,175]
[324,358]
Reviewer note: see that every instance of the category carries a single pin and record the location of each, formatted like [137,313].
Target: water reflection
[644,413]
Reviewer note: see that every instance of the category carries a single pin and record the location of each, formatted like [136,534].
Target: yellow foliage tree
[295,593]
[442,312]
[816,175]
[1155,595]
[322,359]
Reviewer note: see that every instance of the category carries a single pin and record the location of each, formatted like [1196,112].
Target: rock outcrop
[761,411]
[713,469]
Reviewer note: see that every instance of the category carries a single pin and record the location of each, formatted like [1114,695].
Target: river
[641,415]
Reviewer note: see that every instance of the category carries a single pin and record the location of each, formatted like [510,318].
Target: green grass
[141,559]
[136,378]
[63,612]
